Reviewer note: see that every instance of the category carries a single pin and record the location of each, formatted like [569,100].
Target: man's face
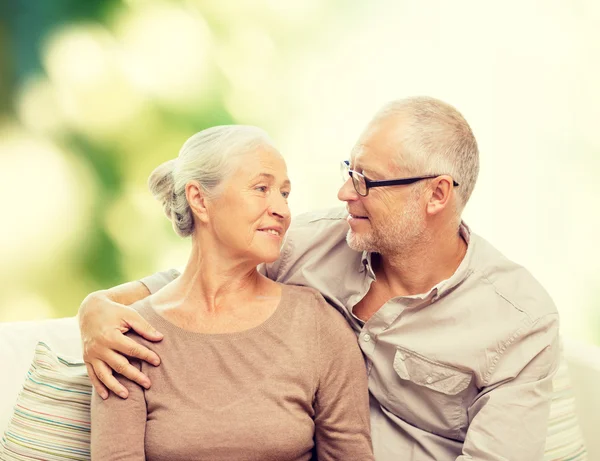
[389,220]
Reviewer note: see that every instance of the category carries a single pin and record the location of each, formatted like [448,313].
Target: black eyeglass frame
[385,182]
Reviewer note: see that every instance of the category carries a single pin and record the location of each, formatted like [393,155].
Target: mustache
[356,213]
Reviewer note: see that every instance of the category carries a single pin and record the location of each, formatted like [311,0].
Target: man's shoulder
[511,282]
[314,237]
[323,218]
[324,227]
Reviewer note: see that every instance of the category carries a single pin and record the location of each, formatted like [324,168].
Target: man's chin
[357,242]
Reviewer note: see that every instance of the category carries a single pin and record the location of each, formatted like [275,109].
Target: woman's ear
[196,197]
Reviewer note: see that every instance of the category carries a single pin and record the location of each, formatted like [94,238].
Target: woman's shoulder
[144,308]
[306,296]
[311,300]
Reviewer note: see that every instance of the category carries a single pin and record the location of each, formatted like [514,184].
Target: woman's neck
[213,279]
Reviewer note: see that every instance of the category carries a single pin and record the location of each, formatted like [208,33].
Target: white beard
[392,236]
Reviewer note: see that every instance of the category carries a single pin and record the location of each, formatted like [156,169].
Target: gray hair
[437,140]
[207,157]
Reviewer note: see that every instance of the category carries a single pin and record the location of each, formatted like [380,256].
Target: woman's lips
[272,233]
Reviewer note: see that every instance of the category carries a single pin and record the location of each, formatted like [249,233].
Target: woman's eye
[261,188]
[285,194]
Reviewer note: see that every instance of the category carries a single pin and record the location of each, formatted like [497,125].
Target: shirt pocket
[433,393]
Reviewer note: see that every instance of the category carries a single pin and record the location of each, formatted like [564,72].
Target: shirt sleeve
[273,270]
[158,280]
[119,426]
[509,417]
[342,421]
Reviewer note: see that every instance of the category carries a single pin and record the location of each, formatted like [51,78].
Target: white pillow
[51,418]
[564,441]
[17,344]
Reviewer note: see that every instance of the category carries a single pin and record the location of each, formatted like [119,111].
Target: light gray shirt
[462,372]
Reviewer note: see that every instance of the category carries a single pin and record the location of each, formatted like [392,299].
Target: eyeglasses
[363,184]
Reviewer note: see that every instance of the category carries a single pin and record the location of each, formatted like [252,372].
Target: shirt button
[367,338]
[429,380]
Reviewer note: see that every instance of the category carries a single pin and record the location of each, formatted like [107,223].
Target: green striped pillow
[563,441]
[51,419]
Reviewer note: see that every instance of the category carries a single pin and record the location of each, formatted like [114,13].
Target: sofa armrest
[584,369]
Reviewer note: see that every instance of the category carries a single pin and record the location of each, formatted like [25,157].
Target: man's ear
[442,189]
[196,197]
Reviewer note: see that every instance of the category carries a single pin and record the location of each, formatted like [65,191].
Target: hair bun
[162,185]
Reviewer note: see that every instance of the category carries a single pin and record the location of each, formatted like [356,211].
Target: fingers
[104,374]
[138,324]
[130,347]
[120,364]
[100,389]
[103,326]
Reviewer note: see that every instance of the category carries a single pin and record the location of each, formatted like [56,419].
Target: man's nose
[347,193]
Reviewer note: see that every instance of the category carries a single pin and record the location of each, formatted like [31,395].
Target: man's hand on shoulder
[104,319]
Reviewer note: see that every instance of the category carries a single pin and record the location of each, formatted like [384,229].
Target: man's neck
[426,264]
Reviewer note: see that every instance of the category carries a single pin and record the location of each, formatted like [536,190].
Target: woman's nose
[280,207]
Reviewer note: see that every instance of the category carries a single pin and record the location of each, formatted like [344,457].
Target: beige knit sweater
[292,389]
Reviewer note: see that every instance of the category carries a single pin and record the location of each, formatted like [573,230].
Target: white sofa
[18,340]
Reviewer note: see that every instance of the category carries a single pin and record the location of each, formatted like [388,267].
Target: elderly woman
[251,369]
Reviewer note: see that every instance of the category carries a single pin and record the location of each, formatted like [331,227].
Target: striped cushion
[564,441]
[51,419]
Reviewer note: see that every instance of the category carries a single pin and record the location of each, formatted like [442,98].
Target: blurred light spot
[95,95]
[137,223]
[294,11]
[167,50]
[248,58]
[134,220]
[174,256]
[25,307]
[38,106]
[45,202]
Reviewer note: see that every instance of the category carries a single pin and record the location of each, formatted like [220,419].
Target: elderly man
[460,343]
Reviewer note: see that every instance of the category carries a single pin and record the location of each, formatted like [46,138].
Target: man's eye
[285,194]
[261,188]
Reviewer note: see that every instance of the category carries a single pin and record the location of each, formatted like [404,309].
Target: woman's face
[251,215]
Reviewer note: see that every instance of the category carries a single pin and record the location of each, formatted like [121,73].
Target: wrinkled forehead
[379,147]
[262,160]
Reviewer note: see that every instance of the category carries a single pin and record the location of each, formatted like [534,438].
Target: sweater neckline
[164,325]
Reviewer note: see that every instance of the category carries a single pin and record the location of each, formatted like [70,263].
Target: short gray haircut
[208,157]
[437,140]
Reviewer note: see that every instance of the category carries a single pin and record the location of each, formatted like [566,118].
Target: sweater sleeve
[158,280]
[342,422]
[119,426]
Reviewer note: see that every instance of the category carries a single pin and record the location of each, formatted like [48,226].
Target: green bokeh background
[95,94]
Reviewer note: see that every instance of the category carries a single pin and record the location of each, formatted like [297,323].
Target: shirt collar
[443,287]
[464,268]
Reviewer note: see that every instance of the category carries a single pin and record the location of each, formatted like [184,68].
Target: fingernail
[158,334]
[146,384]
[123,395]
[104,395]
[155,362]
